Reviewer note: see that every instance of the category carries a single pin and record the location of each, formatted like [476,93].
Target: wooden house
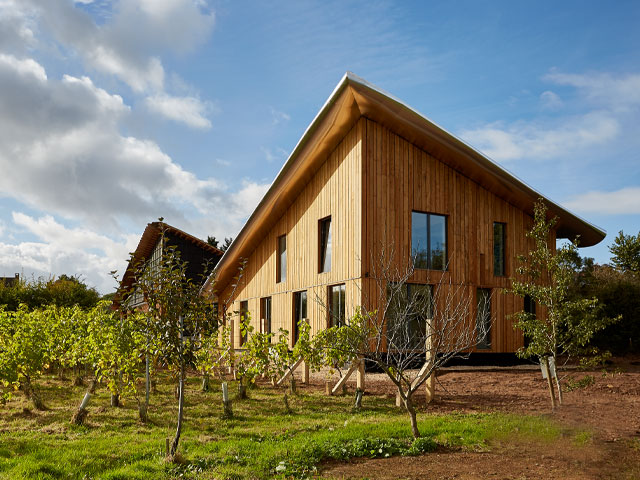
[368,173]
[199,255]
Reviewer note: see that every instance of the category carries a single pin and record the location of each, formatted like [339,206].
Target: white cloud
[278,117]
[550,100]
[188,110]
[543,141]
[274,155]
[624,201]
[612,91]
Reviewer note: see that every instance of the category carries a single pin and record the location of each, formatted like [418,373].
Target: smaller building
[199,255]
[10,281]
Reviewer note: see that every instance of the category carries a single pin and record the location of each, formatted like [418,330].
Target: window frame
[410,289]
[266,305]
[331,317]
[485,343]
[429,266]
[244,309]
[324,245]
[281,256]
[298,308]
[502,256]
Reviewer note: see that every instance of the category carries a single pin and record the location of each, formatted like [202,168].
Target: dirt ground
[609,408]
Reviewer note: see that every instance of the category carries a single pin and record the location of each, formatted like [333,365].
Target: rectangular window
[409,312]
[337,306]
[499,230]
[324,243]
[265,315]
[530,308]
[429,240]
[483,318]
[244,316]
[299,312]
[281,260]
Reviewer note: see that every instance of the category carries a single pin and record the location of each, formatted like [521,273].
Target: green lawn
[261,441]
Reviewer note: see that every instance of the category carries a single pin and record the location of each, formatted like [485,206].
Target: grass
[261,441]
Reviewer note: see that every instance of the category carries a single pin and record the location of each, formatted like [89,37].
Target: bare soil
[609,409]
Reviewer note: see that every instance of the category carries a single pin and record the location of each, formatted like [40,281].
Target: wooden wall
[335,190]
[398,177]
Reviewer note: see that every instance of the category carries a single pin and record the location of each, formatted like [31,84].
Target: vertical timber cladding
[335,190]
[399,177]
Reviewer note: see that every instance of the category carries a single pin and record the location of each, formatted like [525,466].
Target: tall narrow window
[429,240]
[530,308]
[483,318]
[324,242]
[299,312]
[244,316]
[499,230]
[337,306]
[265,315]
[281,259]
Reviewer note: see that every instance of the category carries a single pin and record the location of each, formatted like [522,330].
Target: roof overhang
[353,98]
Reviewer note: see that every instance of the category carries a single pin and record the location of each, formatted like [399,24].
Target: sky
[113,114]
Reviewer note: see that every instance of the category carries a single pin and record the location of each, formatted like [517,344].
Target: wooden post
[547,370]
[305,373]
[398,400]
[430,383]
[360,376]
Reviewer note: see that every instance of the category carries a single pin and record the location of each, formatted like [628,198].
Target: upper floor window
[337,305]
[324,243]
[429,240]
[499,230]
[281,259]
[483,318]
[244,317]
[299,312]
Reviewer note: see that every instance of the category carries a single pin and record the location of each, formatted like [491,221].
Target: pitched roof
[353,98]
[145,247]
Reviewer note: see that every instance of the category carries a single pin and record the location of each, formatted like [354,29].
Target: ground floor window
[299,312]
[265,315]
[483,318]
[337,305]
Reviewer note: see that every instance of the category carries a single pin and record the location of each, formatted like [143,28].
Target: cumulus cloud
[617,202]
[188,110]
[541,140]
[550,100]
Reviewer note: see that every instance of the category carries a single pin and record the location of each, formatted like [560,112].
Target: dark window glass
[324,231]
[530,308]
[499,249]
[411,306]
[281,261]
[337,306]
[429,240]
[244,315]
[483,318]
[299,312]
[265,315]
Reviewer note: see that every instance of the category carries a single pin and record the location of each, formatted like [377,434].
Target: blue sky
[115,113]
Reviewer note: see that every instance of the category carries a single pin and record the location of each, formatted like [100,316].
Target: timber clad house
[197,253]
[371,173]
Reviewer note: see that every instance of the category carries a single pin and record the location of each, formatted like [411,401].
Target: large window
[281,259]
[483,318]
[530,308]
[299,312]
[499,230]
[265,315]
[337,306]
[244,316]
[429,240]
[409,312]
[324,243]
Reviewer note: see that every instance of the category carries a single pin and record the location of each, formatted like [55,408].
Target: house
[199,255]
[10,281]
[368,173]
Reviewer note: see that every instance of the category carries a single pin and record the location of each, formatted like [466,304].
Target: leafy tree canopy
[626,252]
[63,291]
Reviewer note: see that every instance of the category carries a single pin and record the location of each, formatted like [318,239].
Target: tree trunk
[115,399]
[142,412]
[205,382]
[226,402]
[31,393]
[408,403]
[359,393]
[545,364]
[81,414]
[242,391]
[147,383]
[174,444]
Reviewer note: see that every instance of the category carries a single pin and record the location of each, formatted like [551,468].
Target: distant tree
[547,278]
[227,244]
[213,241]
[626,253]
[63,291]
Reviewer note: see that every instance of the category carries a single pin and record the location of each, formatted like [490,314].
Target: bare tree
[409,330]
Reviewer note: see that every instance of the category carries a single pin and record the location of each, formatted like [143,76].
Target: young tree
[547,277]
[626,253]
[180,318]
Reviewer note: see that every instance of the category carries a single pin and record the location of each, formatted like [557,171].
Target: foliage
[625,252]
[214,242]
[63,291]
